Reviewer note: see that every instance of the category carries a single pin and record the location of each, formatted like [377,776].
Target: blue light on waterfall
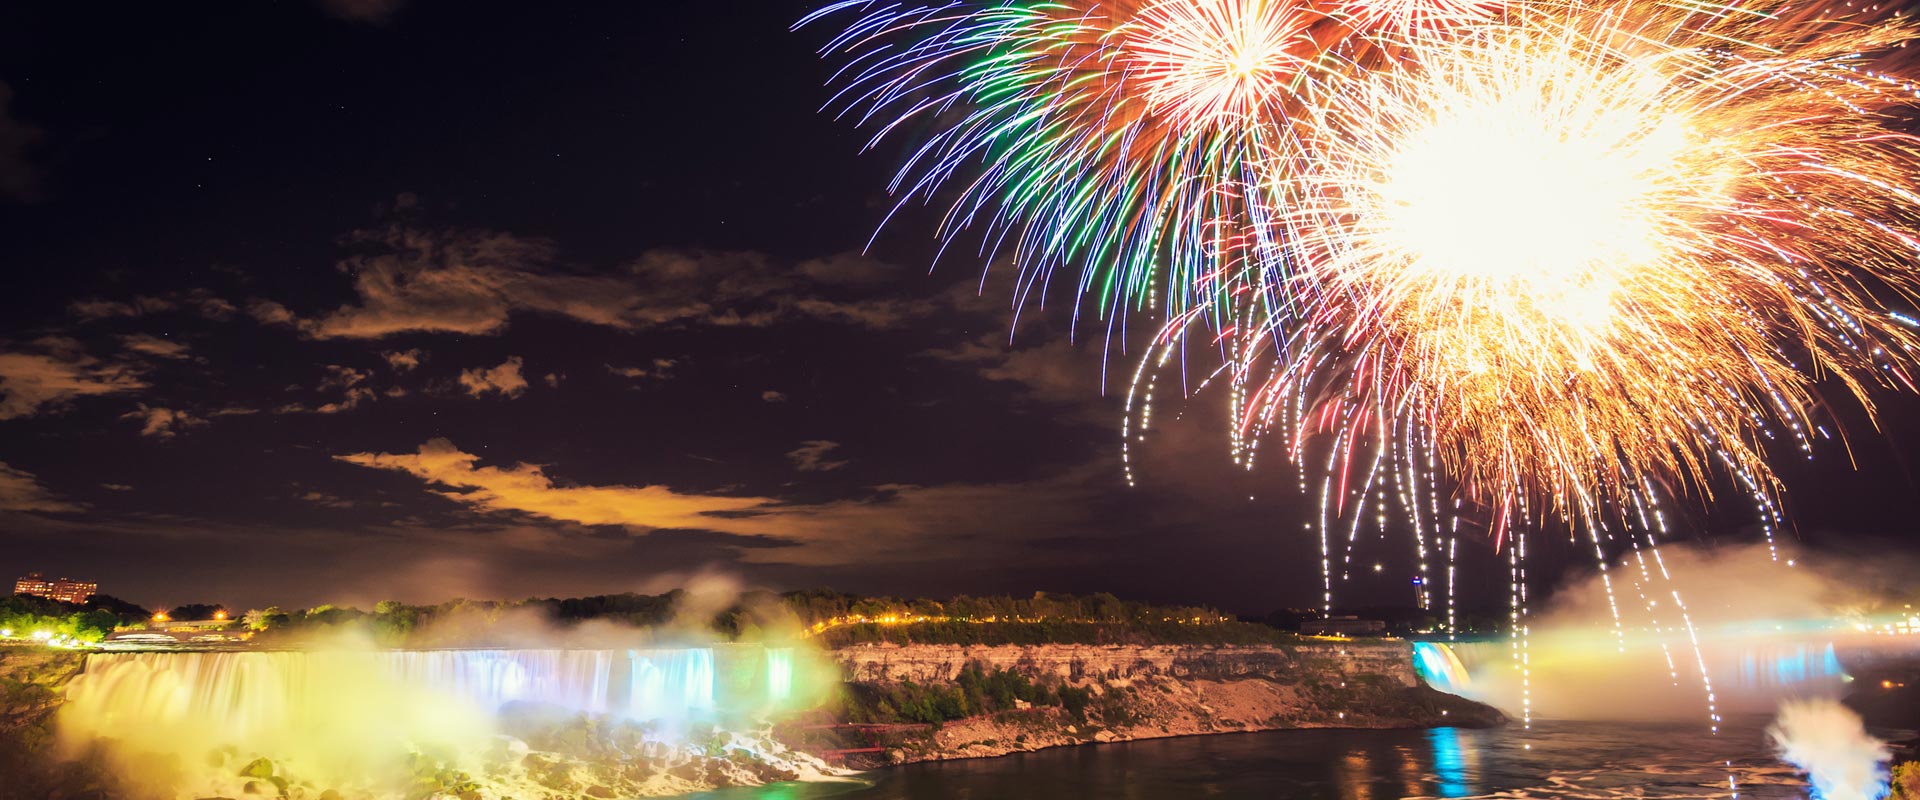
[1437,665]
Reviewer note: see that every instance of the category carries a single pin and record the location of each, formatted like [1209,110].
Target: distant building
[64,590]
[1343,626]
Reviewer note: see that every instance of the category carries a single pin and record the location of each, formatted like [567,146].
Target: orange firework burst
[1603,251]
[1206,63]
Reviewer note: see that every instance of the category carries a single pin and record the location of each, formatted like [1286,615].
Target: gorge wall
[1149,691]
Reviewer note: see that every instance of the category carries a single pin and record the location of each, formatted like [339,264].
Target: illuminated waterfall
[1440,667]
[779,674]
[576,680]
[350,718]
[670,684]
[419,697]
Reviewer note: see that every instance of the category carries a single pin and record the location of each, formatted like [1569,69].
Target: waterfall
[242,698]
[575,680]
[670,684]
[1440,667]
[351,718]
[779,674]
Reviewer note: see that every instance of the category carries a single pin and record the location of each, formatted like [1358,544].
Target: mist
[1766,632]
[470,691]
[1827,742]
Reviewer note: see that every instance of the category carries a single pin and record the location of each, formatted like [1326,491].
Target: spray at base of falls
[474,718]
[1828,742]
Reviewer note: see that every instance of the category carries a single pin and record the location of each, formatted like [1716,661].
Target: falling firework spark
[1585,259]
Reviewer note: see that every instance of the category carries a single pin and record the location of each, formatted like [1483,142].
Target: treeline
[840,620]
[1051,632]
[975,692]
[395,623]
[825,606]
[25,616]
[834,618]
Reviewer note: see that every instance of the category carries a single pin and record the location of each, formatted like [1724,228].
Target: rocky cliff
[1386,660]
[1148,691]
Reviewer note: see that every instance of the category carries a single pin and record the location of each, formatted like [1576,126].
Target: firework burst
[1115,137]
[1589,254]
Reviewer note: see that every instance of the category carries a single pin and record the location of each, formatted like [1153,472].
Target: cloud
[19,177]
[349,382]
[268,312]
[811,456]
[162,423]
[96,308]
[462,282]
[526,488]
[31,382]
[215,308]
[202,301]
[505,379]
[472,282]
[373,11]
[404,360]
[21,491]
[895,523]
[847,268]
[153,346]
[117,487]
[327,500]
[771,396]
[660,369]
[1053,372]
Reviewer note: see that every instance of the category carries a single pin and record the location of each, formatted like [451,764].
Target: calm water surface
[1554,760]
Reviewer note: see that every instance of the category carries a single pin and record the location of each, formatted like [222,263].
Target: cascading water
[671,684]
[779,674]
[346,715]
[575,680]
[1437,664]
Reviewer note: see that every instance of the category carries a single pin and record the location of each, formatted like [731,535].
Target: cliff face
[32,681]
[1390,661]
[1154,691]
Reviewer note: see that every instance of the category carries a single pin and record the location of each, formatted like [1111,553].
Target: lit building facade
[64,590]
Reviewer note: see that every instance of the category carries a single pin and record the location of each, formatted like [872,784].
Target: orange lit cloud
[897,523]
[473,282]
[162,423]
[504,380]
[526,488]
[30,382]
[20,491]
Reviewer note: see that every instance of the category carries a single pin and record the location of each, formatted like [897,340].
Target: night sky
[361,299]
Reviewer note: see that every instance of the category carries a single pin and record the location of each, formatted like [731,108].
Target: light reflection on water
[1576,761]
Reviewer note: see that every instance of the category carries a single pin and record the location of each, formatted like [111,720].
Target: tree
[197,611]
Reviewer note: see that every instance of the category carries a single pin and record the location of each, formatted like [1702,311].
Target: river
[1588,760]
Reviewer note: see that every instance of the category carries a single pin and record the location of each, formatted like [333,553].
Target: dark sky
[358,299]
